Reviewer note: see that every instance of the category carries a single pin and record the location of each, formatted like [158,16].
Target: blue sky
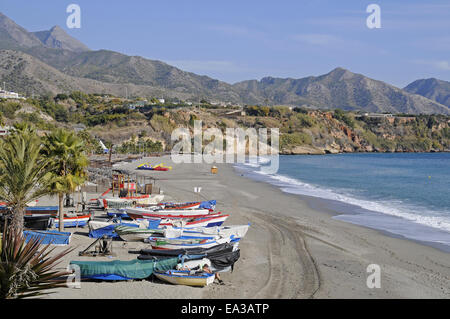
[249,39]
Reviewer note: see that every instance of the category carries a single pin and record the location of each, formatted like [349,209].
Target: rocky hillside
[302,131]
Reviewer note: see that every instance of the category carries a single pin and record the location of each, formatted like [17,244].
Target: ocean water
[405,194]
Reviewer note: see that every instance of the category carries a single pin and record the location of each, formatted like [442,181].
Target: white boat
[97,224]
[137,213]
[123,202]
[186,277]
[206,221]
[178,243]
[238,231]
[127,233]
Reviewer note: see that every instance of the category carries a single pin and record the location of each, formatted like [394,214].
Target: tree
[65,150]
[24,173]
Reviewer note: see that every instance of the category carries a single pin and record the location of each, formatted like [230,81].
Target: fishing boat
[219,249]
[149,167]
[207,221]
[73,220]
[117,212]
[186,277]
[238,231]
[37,222]
[98,229]
[128,233]
[136,213]
[177,243]
[42,210]
[131,201]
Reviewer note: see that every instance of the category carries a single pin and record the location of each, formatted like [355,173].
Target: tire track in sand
[293,271]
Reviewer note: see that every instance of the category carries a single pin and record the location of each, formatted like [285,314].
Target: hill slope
[433,89]
[338,89]
[14,36]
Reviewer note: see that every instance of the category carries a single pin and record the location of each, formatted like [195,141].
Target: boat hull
[135,213]
[76,221]
[184,278]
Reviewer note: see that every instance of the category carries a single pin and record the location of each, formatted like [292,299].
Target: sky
[250,39]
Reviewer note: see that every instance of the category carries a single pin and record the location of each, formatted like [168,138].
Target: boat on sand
[186,277]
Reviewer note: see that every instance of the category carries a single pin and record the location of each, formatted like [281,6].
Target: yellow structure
[214,170]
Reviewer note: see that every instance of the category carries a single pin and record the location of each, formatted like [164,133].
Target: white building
[10,95]
[162,101]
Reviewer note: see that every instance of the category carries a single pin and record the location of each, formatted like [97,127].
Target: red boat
[209,221]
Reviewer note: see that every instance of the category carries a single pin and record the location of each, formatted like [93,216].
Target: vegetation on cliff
[131,129]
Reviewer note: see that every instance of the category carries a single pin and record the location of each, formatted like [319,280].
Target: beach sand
[290,250]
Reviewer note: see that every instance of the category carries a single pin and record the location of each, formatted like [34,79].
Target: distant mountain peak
[432,88]
[58,38]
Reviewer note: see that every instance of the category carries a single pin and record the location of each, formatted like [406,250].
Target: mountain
[339,88]
[434,89]
[57,38]
[52,61]
[29,75]
[13,36]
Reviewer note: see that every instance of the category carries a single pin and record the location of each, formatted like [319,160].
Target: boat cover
[226,247]
[210,204]
[109,230]
[123,270]
[49,237]
[223,260]
[220,260]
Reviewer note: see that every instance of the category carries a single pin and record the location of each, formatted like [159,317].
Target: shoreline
[290,251]
[335,208]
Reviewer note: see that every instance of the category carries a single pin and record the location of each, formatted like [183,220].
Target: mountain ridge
[432,88]
[109,71]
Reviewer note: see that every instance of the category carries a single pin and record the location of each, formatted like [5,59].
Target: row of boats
[182,239]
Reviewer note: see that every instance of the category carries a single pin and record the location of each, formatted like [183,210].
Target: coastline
[292,250]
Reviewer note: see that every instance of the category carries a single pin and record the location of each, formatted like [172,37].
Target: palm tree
[24,173]
[66,152]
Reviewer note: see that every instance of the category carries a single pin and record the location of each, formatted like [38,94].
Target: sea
[406,195]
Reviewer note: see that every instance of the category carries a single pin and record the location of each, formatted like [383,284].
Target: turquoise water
[407,194]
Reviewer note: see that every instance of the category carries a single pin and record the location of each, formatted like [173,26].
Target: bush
[9,109]
[295,139]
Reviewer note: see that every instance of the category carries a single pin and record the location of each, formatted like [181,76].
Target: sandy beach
[290,251]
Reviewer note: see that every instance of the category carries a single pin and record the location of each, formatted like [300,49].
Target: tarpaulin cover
[48,237]
[224,260]
[221,248]
[153,223]
[108,230]
[220,260]
[210,204]
[117,269]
